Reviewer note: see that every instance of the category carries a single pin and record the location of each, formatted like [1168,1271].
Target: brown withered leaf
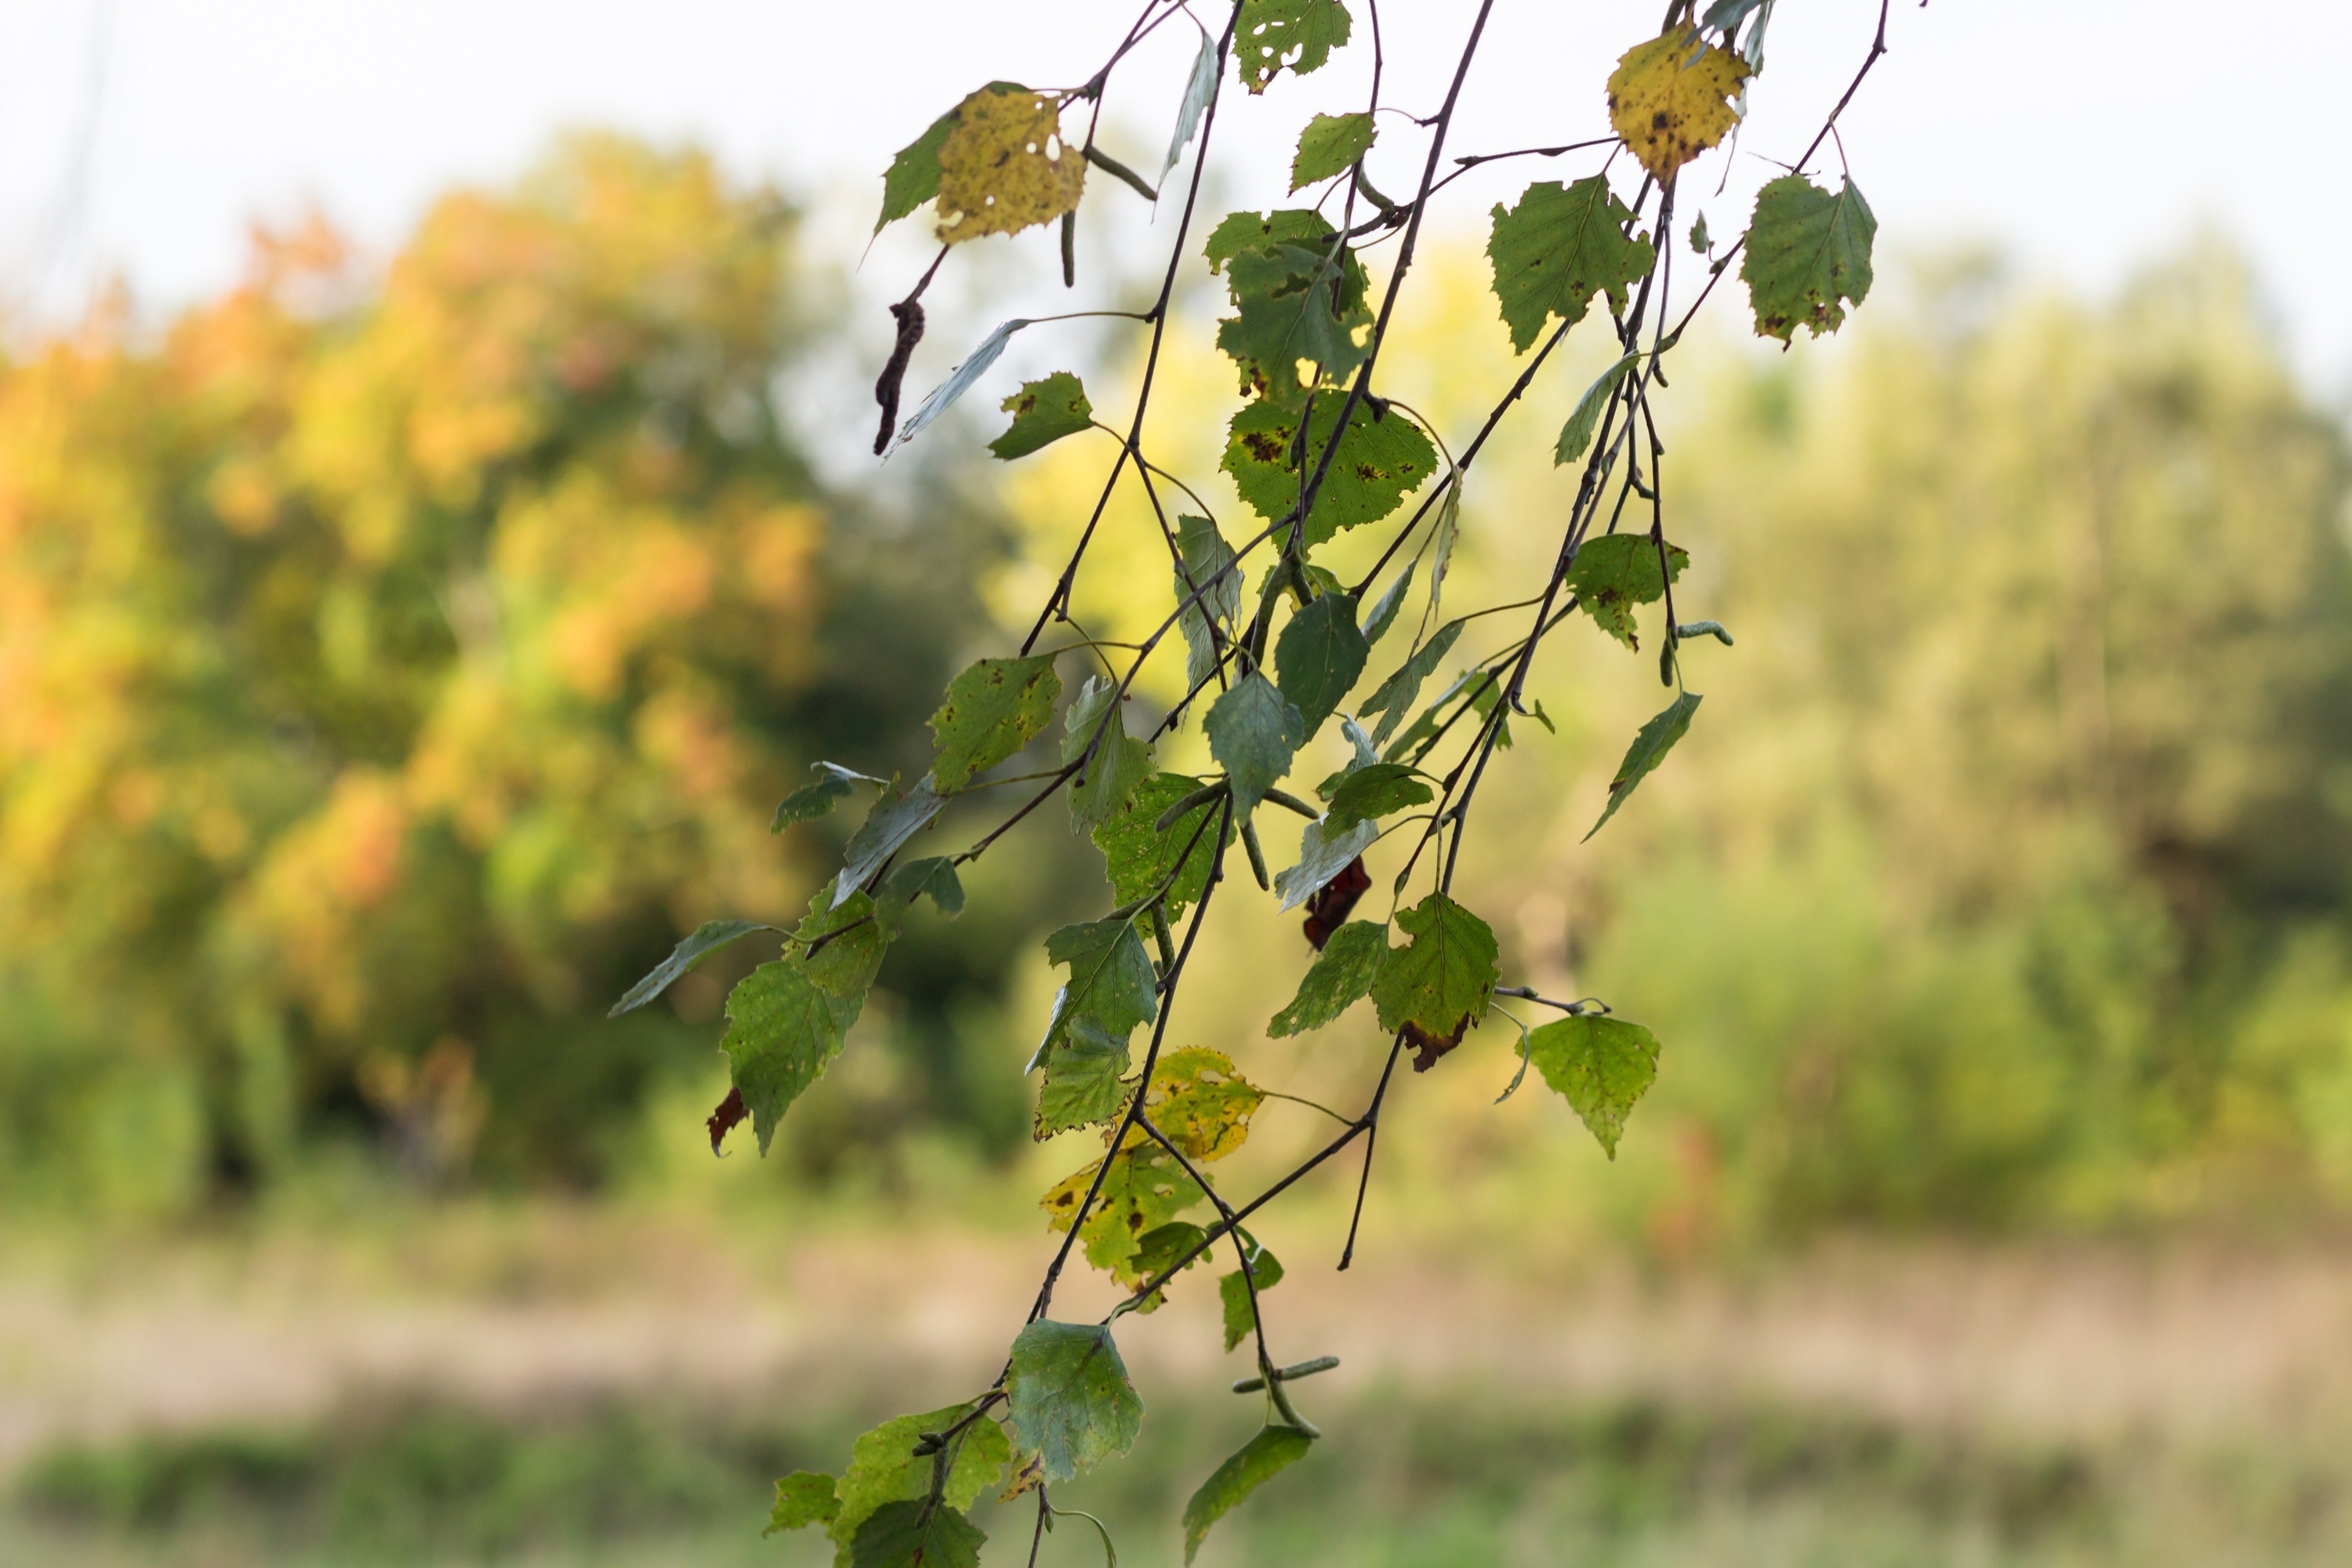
[1328,909]
[723,1121]
[1427,1048]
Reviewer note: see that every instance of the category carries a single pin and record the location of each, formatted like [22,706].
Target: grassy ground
[607,1389]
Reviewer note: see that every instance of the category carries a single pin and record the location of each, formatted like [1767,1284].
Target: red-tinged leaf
[723,1121]
[1427,1048]
[1328,909]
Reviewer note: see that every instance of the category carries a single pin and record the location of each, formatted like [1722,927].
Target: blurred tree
[386,671]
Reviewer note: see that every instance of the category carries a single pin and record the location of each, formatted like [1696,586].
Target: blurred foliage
[391,666]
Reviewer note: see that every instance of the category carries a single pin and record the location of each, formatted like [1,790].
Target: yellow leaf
[1670,98]
[1005,167]
[1202,1103]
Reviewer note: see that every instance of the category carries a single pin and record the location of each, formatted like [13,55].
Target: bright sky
[2082,136]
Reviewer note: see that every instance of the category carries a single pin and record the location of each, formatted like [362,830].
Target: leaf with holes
[1600,1066]
[708,938]
[992,710]
[1201,1104]
[1617,570]
[1671,98]
[1807,251]
[1562,246]
[1043,413]
[1319,655]
[1440,981]
[1330,144]
[1296,35]
[1378,463]
[1295,303]
[1341,975]
[1003,166]
[1274,1449]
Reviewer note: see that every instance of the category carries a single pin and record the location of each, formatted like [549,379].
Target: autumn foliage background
[396,658]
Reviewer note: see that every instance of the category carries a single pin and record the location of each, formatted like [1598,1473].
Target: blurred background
[437,526]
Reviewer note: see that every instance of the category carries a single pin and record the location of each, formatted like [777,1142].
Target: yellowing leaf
[1202,1103]
[1005,167]
[1146,1188]
[1670,98]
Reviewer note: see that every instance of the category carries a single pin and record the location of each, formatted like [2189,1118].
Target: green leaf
[884,1468]
[1318,657]
[1649,749]
[1393,698]
[1294,302]
[1601,1065]
[1442,540]
[1139,857]
[1238,232]
[1807,250]
[803,1499]
[1323,854]
[1440,981]
[1111,981]
[1371,792]
[1558,248]
[1380,462]
[1700,242]
[1576,434]
[1233,1294]
[1083,1068]
[934,876]
[1341,975]
[1254,731]
[895,819]
[1210,568]
[1612,573]
[782,1032]
[915,1534]
[1144,1189]
[856,938]
[993,710]
[708,938]
[1330,144]
[1273,1451]
[1157,1251]
[913,177]
[1069,1397]
[1120,763]
[1298,35]
[1043,413]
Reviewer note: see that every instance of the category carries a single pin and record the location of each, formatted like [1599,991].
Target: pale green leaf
[1601,1065]
[803,1499]
[885,1469]
[1198,91]
[1649,749]
[1254,731]
[1233,1294]
[1070,1401]
[1323,854]
[1385,607]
